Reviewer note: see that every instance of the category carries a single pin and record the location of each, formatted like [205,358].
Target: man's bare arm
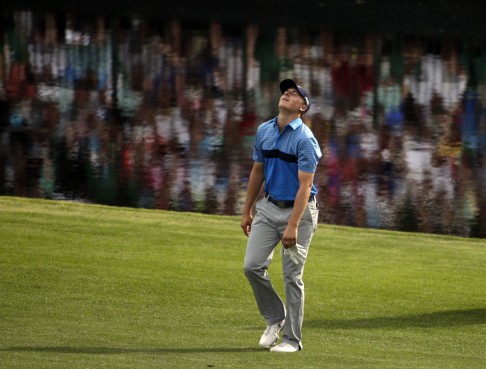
[255,184]
[301,200]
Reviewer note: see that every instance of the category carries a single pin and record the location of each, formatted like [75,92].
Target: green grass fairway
[87,286]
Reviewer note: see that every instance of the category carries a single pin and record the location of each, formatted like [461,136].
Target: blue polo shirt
[284,154]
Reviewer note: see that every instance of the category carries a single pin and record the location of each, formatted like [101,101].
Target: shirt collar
[296,123]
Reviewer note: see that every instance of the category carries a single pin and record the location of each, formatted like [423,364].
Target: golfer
[285,157]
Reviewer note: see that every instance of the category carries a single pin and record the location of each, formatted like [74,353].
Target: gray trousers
[266,232]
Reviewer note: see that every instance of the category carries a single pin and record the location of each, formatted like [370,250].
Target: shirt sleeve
[257,147]
[309,155]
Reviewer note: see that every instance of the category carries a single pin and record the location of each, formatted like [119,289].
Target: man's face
[292,102]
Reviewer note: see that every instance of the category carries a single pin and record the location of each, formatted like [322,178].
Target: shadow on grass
[117,351]
[442,319]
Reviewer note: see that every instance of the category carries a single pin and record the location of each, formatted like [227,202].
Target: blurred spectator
[135,113]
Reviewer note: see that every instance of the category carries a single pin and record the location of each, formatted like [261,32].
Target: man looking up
[285,157]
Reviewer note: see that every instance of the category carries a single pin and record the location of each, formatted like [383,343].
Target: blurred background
[155,105]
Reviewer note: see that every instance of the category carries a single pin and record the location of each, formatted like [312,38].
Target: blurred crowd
[162,114]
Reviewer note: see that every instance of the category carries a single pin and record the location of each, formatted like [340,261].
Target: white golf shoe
[284,347]
[270,336]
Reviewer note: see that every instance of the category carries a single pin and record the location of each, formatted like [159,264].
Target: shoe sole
[287,352]
[269,346]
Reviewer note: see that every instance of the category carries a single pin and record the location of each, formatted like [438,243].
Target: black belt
[284,203]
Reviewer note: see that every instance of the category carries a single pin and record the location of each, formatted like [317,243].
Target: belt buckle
[281,204]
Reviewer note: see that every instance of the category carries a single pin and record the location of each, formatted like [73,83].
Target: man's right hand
[246,221]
